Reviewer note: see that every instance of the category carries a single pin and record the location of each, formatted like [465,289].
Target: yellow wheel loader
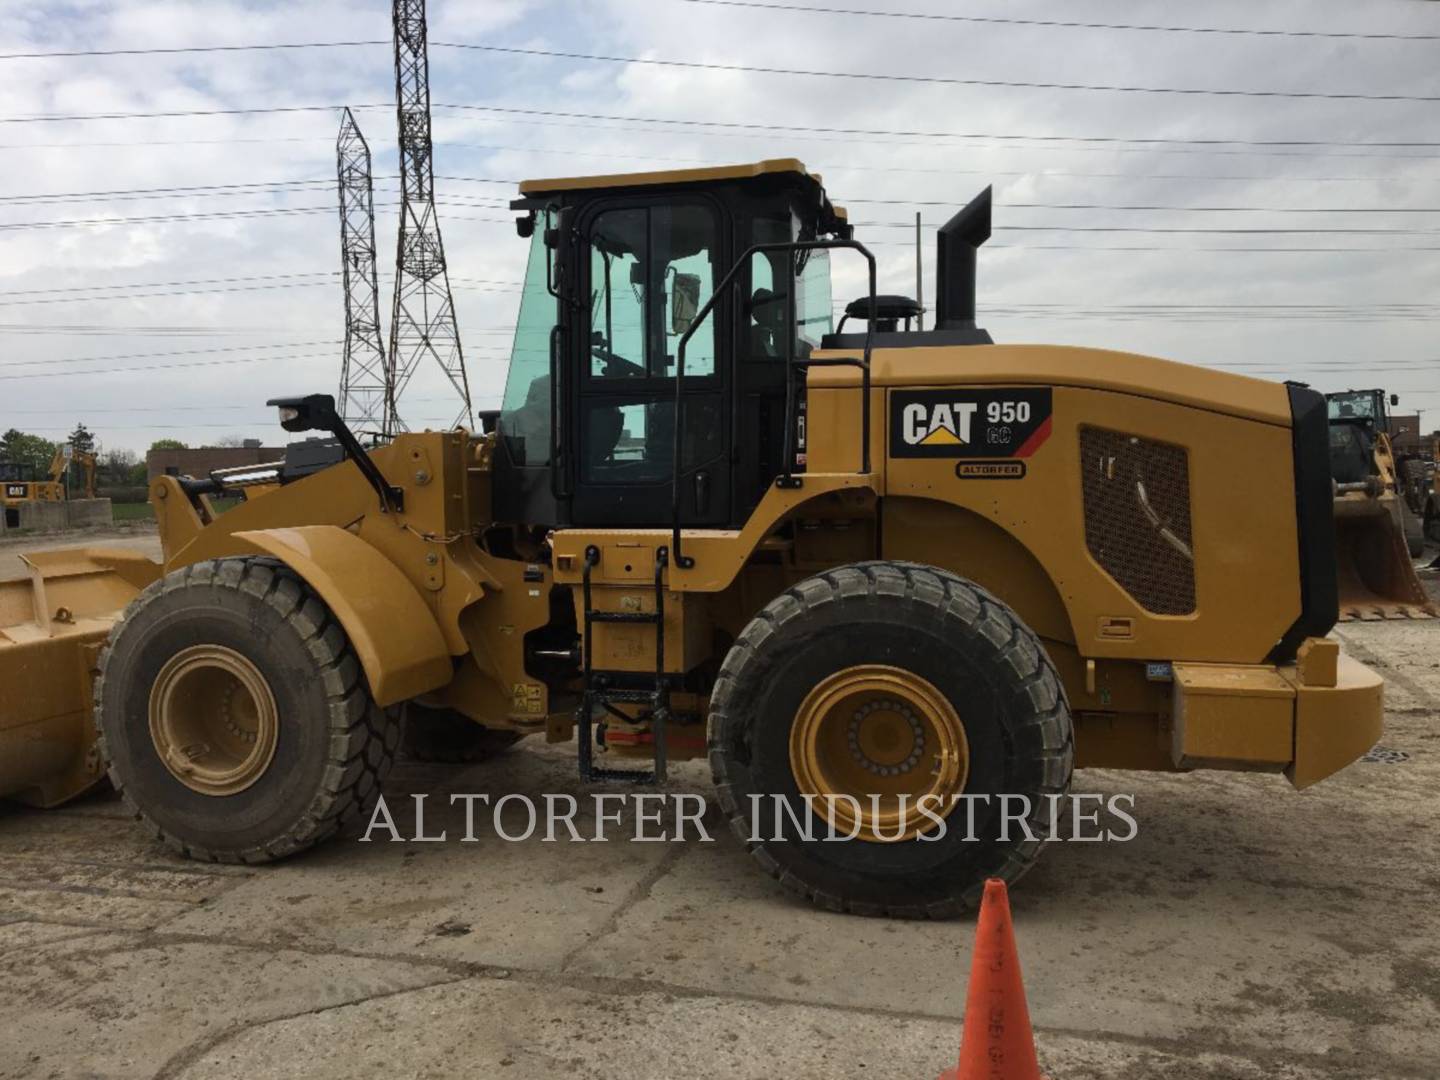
[862,568]
[1377,534]
[18,484]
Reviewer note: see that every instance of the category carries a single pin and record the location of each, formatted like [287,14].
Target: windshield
[525,410]
[1355,405]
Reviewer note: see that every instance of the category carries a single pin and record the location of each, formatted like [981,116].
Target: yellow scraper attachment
[53,622]
[1377,576]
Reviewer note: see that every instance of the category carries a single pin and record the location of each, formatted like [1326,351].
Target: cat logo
[941,424]
[989,423]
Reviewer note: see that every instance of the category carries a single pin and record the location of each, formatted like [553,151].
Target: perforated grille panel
[1137,517]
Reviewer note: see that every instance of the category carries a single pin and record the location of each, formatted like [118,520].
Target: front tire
[850,683]
[234,717]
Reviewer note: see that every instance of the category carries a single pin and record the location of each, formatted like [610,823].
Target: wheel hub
[213,720]
[876,734]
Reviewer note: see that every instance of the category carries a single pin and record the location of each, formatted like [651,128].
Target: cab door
[645,269]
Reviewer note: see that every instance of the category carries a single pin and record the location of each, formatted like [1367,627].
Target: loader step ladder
[601,689]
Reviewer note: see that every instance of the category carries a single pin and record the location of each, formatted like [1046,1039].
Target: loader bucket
[53,623]
[1376,575]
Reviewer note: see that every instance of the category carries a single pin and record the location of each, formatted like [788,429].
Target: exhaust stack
[957,243]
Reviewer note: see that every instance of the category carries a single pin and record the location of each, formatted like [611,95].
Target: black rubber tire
[966,643]
[335,745]
[450,737]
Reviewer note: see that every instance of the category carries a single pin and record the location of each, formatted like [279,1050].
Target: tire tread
[363,737]
[944,594]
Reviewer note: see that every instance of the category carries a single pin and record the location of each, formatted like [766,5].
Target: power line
[70,53]
[185,191]
[169,114]
[167,284]
[199,215]
[1208,230]
[1058,23]
[44,295]
[197,407]
[111,328]
[1093,248]
[1158,207]
[119,296]
[166,367]
[1149,144]
[499,202]
[921,134]
[940,80]
[1158,309]
[171,352]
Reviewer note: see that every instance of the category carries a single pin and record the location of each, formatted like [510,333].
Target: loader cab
[1364,407]
[16,479]
[620,269]
[1356,417]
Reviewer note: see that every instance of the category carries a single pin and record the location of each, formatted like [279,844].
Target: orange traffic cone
[997,1043]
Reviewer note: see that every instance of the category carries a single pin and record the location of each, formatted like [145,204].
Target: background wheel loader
[972,568]
[18,484]
[1377,532]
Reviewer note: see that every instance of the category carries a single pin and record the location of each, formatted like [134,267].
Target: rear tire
[268,648]
[908,623]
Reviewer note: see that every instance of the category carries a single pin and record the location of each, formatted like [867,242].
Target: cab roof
[668,176]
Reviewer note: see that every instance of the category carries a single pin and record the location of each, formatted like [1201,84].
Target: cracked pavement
[1248,931]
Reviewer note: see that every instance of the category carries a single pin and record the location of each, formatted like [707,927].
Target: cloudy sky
[1266,232]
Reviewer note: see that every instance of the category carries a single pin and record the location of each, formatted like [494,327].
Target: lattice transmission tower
[366,376]
[422,322]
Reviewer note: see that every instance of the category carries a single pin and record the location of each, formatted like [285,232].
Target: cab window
[651,269]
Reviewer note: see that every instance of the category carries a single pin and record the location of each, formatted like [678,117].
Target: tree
[168,444]
[118,465]
[82,439]
[32,450]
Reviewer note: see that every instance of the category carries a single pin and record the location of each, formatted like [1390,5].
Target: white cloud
[903,168]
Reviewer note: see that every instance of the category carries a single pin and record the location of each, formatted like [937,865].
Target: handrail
[786,477]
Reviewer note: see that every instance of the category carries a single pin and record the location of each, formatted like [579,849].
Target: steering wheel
[615,364]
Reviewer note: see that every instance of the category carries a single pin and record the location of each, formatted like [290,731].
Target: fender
[392,629]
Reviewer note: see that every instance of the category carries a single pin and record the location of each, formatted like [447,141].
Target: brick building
[207,459]
[1405,432]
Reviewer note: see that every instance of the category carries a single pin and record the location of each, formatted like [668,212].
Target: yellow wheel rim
[876,733]
[213,719]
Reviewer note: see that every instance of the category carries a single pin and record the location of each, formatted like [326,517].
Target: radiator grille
[1137,517]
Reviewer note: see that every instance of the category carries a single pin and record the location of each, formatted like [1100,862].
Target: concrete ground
[1248,931]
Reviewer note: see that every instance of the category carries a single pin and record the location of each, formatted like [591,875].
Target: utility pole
[367,377]
[422,322]
[919,277]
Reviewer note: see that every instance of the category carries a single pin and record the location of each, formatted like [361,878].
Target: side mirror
[684,302]
[1394,399]
[314,412]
